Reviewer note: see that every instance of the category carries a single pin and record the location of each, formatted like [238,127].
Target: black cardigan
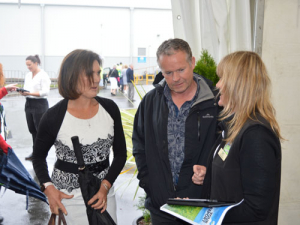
[50,125]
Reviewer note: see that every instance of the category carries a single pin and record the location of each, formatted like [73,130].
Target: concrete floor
[13,206]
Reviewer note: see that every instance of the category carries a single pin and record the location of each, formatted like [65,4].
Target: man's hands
[54,197]
[199,174]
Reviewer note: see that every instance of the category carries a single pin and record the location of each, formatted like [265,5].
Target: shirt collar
[167,90]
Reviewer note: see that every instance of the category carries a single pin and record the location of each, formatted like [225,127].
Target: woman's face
[31,65]
[223,98]
[90,90]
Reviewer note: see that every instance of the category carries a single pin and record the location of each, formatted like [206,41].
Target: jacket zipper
[198,125]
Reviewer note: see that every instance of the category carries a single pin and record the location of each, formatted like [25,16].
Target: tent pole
[258,25]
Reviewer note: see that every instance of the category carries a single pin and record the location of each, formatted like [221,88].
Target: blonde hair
[2,78]
[246,86]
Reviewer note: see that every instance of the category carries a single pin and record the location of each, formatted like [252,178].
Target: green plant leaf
[206,66]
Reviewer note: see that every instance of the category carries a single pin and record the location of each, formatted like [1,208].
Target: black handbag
[61,218]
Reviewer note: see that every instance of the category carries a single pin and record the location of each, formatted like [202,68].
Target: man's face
[177,71]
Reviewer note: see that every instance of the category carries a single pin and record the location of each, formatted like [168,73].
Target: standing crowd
[122,78]
[190,138]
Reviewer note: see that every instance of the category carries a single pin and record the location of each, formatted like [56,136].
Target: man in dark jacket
[174,130]
[130,80]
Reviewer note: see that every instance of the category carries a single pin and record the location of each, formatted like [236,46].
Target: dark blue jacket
[129,74]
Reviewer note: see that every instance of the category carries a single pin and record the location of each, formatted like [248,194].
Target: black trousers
[34,110]
[163,218]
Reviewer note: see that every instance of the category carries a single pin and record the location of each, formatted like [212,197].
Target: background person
[97,123]
[130,81]
[174,129]
[246,159]
[37,83]
[124,78]
[113,78]
[4,91]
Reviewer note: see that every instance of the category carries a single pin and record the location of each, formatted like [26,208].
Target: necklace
[88,120]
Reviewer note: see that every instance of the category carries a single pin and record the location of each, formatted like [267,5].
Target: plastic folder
[198,202]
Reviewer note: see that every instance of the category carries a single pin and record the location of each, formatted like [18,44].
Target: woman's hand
[25,93]
[101,196]
[199,174]
[54,197]
[11,87]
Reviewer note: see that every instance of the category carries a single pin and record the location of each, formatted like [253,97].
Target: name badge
[223,153]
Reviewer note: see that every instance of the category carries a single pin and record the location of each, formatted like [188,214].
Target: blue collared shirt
[176,130]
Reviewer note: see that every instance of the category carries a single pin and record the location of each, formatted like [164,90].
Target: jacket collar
[204,94]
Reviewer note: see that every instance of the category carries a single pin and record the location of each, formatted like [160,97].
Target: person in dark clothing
[130,80]
[113,77]
[245,163]
[174,129]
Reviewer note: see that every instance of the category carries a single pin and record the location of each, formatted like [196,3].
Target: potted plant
[145,218]
[206,66]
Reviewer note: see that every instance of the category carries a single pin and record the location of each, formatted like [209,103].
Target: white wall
[20,30]
[104,30]
[69,27]
[281,53]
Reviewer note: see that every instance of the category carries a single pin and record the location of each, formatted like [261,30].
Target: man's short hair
[171,46]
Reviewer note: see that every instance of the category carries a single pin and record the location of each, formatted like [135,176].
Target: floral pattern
[96,152]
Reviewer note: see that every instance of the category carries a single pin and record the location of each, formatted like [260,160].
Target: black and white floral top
[96,144]
[98,136]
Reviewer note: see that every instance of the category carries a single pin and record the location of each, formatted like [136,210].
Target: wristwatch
[45,185]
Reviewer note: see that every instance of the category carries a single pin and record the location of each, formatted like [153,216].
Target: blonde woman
[246,159]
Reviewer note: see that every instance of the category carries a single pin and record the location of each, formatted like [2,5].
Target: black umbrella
[89,185]
[14,176]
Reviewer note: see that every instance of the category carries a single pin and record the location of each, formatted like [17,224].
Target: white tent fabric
[186,23]
[220,26]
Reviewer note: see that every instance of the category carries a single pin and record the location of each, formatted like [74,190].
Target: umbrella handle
[78,152]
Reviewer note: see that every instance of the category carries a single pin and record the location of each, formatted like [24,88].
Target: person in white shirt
[37,86]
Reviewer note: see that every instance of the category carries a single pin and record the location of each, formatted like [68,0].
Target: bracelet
[105,186]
